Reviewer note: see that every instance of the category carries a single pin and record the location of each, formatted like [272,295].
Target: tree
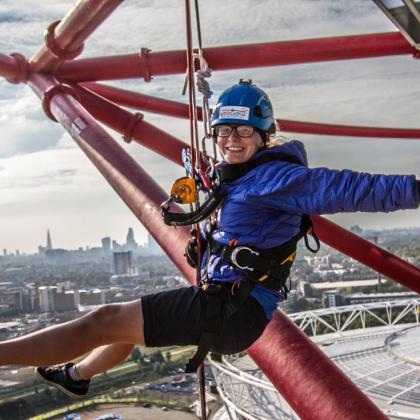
[157,356]
[136,355]
[301,304]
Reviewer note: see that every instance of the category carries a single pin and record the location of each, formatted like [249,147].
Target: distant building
[319,288]
[131,243]
[11,298]
[46,298]
[122,262]
[116,246]
[22,299]
[332,299]
[90,297]
[64,301]
[335,298]
[30,298]
[49,243]
[53,298]
[57,255]
[305,289]
[358,298]
[106,244]
[95,252]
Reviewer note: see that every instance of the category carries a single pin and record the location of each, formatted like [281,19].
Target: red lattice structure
[67,87]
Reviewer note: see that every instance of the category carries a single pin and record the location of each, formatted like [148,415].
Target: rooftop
[383,361]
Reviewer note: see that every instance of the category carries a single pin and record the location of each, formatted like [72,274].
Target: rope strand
[195,148]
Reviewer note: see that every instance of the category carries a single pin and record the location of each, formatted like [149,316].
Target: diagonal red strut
[176,109]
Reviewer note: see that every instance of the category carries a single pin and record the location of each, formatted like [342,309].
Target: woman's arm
[322,191]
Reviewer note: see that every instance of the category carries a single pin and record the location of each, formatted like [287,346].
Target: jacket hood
[293,148]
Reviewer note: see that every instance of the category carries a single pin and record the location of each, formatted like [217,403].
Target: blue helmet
[246,104]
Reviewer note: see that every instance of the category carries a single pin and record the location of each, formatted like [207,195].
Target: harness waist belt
[269,267]
[246,258]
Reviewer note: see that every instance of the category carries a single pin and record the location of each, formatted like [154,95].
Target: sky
[46,182]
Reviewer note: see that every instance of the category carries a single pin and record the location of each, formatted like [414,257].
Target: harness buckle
[235,253]
[211,288]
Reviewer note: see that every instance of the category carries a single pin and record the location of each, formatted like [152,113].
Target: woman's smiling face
[237,149]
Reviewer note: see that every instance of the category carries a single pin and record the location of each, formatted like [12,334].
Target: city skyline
[46,181]
[47,244]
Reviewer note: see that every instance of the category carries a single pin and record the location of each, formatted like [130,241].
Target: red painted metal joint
[55,49]
[129,129]
[144,64]
[416,55]
[54,90]
[22,74]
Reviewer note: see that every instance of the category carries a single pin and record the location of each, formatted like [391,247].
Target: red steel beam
[9,67]
[126,123]
[367,253]
[305,376]
[150,64]
[141,101]
[347,130]
[176,109]
[69,35]
[344,241]
[143,196]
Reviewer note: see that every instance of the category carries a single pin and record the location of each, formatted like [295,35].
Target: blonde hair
[276,140]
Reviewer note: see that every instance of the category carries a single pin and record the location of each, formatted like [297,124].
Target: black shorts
[175,317]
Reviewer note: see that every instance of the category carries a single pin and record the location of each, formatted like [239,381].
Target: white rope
[203,87]
[203,74]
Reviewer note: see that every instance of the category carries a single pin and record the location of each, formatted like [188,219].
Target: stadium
[383,361]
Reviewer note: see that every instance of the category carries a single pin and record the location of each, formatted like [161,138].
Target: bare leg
[102,359]
[58,344]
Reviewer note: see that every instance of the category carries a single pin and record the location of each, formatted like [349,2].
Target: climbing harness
[266,267]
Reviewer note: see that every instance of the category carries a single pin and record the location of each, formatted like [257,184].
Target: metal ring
[144,64]
[51,92]
[55,49]
[22,67]
[235,252]
[129,130]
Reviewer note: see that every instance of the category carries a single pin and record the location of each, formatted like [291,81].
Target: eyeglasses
[241,130]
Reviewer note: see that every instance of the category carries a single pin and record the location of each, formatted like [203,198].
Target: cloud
[9,18]
[46,181]
[23,24]
[61,190]
[25,128]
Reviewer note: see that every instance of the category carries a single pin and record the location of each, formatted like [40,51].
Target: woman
[251,245]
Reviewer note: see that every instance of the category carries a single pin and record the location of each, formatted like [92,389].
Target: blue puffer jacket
[264,207]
